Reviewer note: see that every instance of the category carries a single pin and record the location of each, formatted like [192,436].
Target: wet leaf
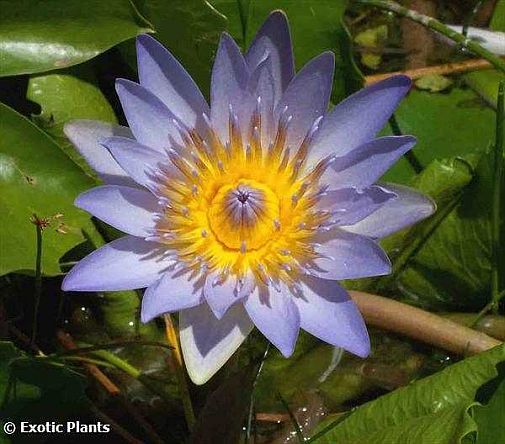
[445,125]
[485,83]
[491,418]
[64,96]
[452,270]
[435,409]
[34,389]
[52,34]
[37,177]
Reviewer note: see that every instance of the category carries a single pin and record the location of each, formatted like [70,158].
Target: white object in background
[493,41]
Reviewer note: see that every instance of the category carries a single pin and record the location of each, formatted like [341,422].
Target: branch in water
[421,325]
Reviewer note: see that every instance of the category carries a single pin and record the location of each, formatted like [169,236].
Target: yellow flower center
[236,210]
[242,215]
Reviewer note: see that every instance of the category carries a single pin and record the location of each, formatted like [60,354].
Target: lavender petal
[127,209]
[162,74]
[124,264]
[409,207]
[85,135]
[273,40]
[207,342]
[357,119]
[173,292]
[347,255]
[327,312]
[276,316]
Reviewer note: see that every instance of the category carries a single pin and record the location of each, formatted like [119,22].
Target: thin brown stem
[68,343]
[112,389]
[443,69]
[437,26]
[18,334]
[121,431]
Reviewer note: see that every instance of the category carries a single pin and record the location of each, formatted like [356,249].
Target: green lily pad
[37,177]
[485,83]
[452,270]
[64,96]
[52,34]
[437,409]
[446,125]
[491,417]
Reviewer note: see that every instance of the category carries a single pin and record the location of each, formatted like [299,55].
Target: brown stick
[421,325]
[121,431]
[272,417]
[25,340]
[68,343]
[447,68]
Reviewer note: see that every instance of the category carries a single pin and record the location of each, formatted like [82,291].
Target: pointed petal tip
[277,18]
[71,282]
[146,40]
[66,285]
[70,127]
[432,206]
[198,378]
[330,55]
[218,312]
[81,201]
[121,83]
[362,350]
[399,80]
[226,38]
[288,349]
[403,140]
[146,317]
[279,14]
[206,343]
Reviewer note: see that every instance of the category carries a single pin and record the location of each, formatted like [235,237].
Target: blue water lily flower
[248,211]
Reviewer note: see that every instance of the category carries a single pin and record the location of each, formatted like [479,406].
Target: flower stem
[178,366]
[497,200]
[412,159]
[108,385]
[38,277]
[332,425]
[296,424]
[117,362]
[421,325]
[436,25]
[110,345]
[251,402]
